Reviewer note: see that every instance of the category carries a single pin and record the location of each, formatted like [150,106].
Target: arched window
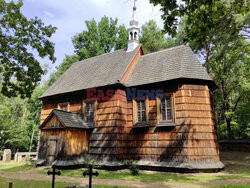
[131,36]
[135,36]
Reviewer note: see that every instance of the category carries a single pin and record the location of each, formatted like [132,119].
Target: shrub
[88,161]
[132,167]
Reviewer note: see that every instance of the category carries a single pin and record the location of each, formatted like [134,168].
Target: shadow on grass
[155,177]
[236,168]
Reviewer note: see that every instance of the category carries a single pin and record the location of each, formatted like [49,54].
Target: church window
[63,106]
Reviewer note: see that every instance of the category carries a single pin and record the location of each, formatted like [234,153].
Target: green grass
[31,183]
[15,167]
[4,182]
[236,168]
[155,177]
[232,186]
[232,171]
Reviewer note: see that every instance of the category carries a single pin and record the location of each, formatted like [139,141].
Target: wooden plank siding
[110,118]
[193,137]
[70,143]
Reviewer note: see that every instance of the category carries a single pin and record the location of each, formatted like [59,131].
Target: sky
[69,17]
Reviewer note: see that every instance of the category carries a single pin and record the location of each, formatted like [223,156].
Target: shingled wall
[192,143]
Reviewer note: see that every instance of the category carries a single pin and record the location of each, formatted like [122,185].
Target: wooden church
[155,109]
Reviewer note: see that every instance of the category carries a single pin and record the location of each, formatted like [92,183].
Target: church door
[51,152]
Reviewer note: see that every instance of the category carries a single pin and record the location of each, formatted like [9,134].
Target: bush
[132,167]
[1,155]
[88,161]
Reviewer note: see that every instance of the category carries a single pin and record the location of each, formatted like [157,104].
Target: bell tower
[133,31]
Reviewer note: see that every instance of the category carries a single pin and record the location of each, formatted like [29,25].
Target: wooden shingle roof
[169,64]
[68,120]
[102,70]
[108,69]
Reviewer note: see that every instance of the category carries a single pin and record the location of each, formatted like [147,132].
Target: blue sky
[69,17]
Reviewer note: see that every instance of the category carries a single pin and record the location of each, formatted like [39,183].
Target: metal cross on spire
[134,8]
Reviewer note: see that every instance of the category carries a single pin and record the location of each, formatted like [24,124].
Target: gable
[53,122]
[62,119]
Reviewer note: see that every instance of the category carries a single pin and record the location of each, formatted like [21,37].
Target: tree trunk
[229,130]
[31,139]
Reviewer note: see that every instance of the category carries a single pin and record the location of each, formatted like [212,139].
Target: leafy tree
[217,31]
[205,21]
[18,36]
[12,123]
[19,121]
[232,75]
[153,39]
[99,38]
[122,40]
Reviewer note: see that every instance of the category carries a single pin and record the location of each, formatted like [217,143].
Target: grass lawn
[235,169]
[43,184]
[15,167]
[232,186]
[31,183]
[155,177]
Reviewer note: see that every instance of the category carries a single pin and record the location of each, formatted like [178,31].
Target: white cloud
[49,14]
[69,17]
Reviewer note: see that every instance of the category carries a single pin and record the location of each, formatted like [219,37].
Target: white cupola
[133,32]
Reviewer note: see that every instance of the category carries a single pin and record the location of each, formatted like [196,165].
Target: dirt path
[35,175]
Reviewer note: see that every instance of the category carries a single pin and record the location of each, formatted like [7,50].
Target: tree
[232,75]
[206,21]
[99,38]
[217,30]
[122,40]
[153,39]
[19,36]
[19,121]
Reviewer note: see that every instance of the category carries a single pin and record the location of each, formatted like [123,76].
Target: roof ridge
[164,50]
[63,111]
[135,50]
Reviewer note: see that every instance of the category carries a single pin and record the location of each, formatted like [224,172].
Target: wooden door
[51,151]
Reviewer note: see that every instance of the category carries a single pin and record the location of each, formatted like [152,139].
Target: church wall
[193,138]
[67,143]
[114,137]
[108,120]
